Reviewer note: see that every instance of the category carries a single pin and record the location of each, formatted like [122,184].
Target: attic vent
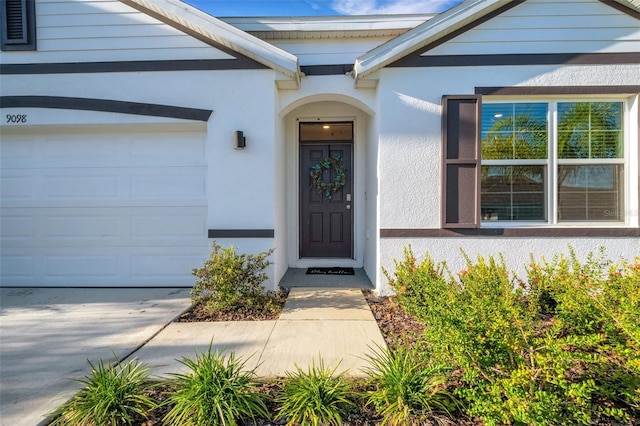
[16,21]
[18,25]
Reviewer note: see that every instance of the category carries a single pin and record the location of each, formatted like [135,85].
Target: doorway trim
[313,113]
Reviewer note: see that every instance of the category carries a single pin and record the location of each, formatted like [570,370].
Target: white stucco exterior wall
[410,158]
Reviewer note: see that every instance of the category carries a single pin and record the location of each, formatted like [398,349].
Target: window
[552,162]
[18,25]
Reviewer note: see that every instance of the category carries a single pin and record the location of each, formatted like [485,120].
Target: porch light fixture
[326,126]
[239,141]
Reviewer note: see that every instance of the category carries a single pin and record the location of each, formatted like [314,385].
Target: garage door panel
[173,224]
[173,185]
[93,149]
[16,187]
[99,227]
[16,227]
[96,187]
[146,266]
[86,267]
[71,226]
[17,268]
[102,266]
[80,185]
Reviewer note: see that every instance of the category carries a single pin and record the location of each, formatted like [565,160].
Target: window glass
[513,193]
[514,131]
[590,193]
[590,130]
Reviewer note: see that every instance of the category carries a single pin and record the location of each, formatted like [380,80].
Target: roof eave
[185,16]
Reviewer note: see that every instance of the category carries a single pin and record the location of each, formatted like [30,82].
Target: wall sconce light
[240,142]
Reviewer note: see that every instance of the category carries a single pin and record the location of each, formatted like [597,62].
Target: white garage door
[102,207]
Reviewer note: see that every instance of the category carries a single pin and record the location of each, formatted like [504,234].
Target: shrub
[560,348]
[404,388]
[232,282]
[315,397]
[112,395]
[217,391]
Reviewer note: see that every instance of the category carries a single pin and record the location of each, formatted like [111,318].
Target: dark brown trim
[128,66]
[105,105]
[341,69]
[512,232]
[241,233]
[557,90]
[247,62]
[622,8]
[416,60]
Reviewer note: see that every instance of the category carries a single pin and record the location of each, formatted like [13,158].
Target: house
[135,131]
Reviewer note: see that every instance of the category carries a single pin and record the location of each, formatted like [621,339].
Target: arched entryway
[330,229]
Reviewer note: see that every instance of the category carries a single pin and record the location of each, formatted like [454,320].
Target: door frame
[293,178]
[351,144]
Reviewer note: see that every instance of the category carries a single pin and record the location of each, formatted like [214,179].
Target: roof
[193,21]
[327,27]
[442,25]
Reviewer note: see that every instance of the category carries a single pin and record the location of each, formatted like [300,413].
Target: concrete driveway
[48,334]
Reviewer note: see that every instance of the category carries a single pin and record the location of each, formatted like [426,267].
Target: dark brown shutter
[461,161]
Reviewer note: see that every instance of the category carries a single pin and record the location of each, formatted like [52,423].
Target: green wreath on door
[317,171]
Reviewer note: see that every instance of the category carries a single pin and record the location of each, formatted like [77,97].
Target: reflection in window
[513,193]
[514,131]
[590,193]
[590,130]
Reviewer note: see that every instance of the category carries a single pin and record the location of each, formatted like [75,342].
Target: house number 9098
[16,118]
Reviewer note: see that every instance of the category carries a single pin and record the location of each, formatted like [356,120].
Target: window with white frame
[553,162]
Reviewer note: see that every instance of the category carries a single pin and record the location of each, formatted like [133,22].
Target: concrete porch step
[297,277]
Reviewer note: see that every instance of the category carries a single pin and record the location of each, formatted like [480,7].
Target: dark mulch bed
[396,325]
[271,311]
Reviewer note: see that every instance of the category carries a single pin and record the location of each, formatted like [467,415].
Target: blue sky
[319,7]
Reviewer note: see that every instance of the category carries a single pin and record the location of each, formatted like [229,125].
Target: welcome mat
[330,271]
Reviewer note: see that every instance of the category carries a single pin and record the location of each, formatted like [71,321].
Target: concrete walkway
[335,324]
[48,334]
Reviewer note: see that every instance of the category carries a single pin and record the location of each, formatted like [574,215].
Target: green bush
[232,282]
[559,348]
[217,391]
[315,397]
[112,395]
[404,388]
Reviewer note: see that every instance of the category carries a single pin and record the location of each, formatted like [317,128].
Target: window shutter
[461,161]
[16,21]
[18,24]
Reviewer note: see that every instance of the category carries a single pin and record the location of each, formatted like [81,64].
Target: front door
[326,190]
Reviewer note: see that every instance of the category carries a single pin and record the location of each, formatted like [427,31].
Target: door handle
[348,207]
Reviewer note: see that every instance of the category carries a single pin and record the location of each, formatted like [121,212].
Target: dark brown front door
[326,220]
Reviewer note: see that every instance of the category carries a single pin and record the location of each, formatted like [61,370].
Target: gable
[548,26]
[515,32]
[93,31]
